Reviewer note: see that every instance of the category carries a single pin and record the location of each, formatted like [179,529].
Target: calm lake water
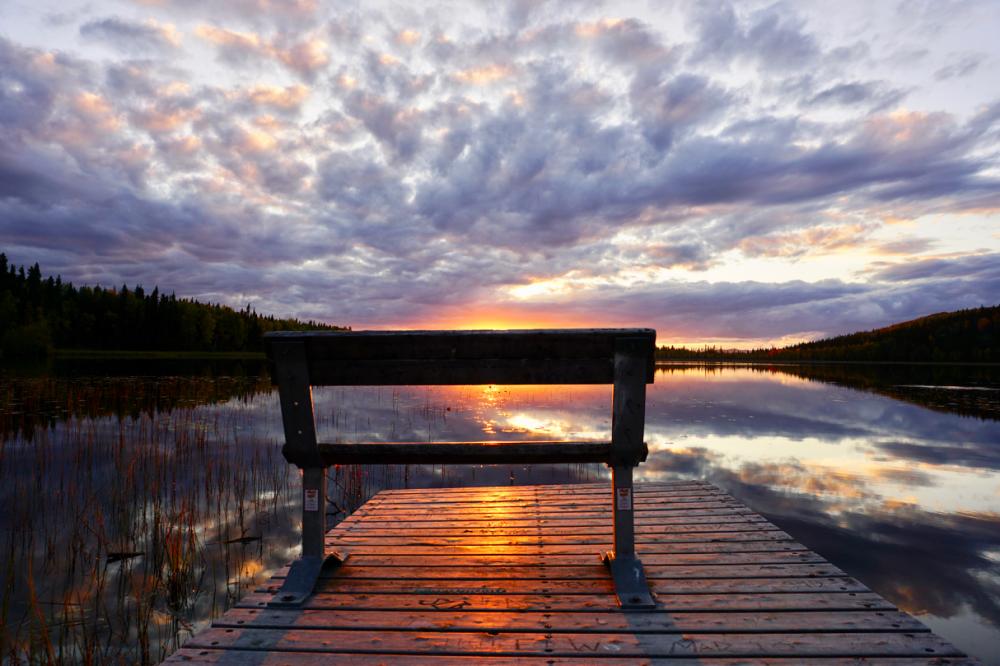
[138,504]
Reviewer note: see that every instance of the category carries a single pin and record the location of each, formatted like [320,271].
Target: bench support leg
[304,572]
[626,569]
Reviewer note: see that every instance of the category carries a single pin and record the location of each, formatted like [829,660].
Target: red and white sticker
[624,499]
[311,502]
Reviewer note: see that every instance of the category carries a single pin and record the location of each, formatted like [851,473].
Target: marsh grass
[126,503]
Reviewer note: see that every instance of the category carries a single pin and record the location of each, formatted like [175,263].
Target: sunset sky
[733,173]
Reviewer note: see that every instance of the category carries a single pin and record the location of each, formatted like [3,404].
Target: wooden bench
[623,357]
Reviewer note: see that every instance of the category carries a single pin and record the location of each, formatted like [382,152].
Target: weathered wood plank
[569,645]
[479,453]
[529,344]
[687,509]
[822,601]
[214,656]
[581,490]
[451,491]
[557,527]
[553,528]
[554,499]
[598,541]
[663,568]
[596,571]
[467,518]
[460,372]
[482,560]
[454,494]
[665,514]
[581,622]
[559,586]
[649,506]
[652,547]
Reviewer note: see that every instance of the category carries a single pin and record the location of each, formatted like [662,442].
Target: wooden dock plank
[482,585]
[621,644]
[195,656]
[585,549]
[512,575]
[842,601]
[583,622]
[593,572]
[715,559]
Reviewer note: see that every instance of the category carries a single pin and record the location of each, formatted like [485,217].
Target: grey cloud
[131,36]
[694,256]
[977,457]
[874,93]
[672,106]
[287,14]
[773,36]
[29,85]
[354,183]
[395,78]
[930,165]
[963,66]
[634,44]
[906,246]
[979,267]
[399,129]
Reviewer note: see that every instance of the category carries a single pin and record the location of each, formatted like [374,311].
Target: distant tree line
[963,336]
[38,314]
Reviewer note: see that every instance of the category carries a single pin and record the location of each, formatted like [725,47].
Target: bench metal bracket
[630,581]
[301,579]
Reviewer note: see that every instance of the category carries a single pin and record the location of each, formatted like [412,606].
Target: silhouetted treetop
[39,314]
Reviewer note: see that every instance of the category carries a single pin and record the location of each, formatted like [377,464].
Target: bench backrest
[561,356]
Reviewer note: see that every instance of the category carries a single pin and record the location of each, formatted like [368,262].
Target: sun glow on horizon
[473,318]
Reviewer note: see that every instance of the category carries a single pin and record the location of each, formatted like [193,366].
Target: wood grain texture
[511,575]
[217,656]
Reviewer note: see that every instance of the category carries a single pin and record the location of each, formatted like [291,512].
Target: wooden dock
[509,575]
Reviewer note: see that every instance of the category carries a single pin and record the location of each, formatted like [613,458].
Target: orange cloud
[596,28]
[155,121]
[305,57]
[220,37]
[281,97]
[824,239]
[407,37]
[481,76]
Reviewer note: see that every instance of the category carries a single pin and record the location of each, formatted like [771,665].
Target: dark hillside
[963,336]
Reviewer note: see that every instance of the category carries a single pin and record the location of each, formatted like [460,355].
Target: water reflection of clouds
[979,457]
[762,407]
[450,413]
[924,561]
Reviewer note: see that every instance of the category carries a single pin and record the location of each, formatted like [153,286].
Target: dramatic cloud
[306,55]
[131,36]
[725,172]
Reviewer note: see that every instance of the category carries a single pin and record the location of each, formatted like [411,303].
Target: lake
[140,499]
